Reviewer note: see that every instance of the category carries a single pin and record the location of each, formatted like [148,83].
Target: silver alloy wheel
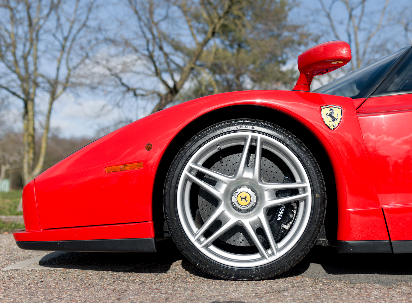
[255,199]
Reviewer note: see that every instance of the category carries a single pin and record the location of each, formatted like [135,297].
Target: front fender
[78,192]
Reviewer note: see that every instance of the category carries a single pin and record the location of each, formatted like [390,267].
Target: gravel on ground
[167,276]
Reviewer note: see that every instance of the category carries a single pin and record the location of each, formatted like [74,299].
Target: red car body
[369,154]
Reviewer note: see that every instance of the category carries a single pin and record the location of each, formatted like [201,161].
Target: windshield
[358,83]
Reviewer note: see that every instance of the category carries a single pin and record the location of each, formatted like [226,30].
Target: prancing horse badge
[332,116]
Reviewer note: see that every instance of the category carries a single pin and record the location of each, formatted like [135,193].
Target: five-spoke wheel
[241,199]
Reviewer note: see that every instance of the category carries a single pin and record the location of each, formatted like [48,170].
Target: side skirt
[120,245]
[365,247]
[402,246]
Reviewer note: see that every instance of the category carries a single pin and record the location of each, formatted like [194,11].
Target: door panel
[386,123]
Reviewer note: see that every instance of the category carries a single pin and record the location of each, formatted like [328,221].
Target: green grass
[10,226]
[9,202]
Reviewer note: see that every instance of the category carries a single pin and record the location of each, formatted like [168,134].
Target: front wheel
[244,199]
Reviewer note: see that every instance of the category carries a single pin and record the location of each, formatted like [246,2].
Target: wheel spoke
[255,239]
[243,159]
[282,186]
[284,200]
[219,232]
[212,190]
[212,173]
[258,157]
[269,234]
[209,221]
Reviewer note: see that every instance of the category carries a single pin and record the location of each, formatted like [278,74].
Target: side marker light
[124,167]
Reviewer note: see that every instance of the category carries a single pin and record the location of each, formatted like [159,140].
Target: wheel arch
[253,112]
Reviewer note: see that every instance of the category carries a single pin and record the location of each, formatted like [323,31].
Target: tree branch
[329,17]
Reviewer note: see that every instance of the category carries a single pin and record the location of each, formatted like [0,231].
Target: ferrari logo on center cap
[243,198]
[332,116]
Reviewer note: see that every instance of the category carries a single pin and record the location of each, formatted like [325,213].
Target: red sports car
[245,183]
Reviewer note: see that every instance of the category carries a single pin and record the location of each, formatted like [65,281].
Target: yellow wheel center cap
[243,198]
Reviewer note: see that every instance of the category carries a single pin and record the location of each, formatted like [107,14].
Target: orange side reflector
[125,167]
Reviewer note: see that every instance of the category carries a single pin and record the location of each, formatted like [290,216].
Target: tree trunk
[28,142]
[30,170]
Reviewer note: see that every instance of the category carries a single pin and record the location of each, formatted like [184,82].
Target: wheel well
[254,112]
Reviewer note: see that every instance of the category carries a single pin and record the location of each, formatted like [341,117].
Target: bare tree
[42,44]
[361,23]
[167,40]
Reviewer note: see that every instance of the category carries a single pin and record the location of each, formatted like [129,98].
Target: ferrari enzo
[245,183]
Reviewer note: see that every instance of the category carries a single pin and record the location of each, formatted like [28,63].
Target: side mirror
[319,60]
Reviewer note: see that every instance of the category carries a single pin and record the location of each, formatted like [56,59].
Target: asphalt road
[324,276]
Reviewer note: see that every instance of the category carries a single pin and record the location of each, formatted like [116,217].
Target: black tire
[307,238]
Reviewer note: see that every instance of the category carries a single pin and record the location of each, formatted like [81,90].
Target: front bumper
[121,245]
[134,237]
[104,232]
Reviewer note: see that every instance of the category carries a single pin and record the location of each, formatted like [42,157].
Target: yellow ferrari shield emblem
[332,116]
[243,198]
